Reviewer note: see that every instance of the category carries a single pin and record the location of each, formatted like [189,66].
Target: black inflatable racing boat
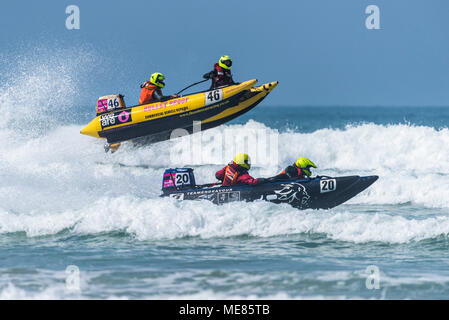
[315,193]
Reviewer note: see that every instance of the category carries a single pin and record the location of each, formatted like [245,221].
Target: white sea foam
[174,285]
[155,219]
[12,292]
[41,88]
[64,180]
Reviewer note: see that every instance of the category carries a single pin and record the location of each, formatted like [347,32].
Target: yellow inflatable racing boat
[156,121]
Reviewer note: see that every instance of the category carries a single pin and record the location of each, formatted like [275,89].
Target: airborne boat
[156,121]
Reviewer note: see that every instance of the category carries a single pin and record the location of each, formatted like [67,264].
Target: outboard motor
[179,178]
[110,103]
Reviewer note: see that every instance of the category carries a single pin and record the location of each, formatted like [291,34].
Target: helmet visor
[160,79]
[227,63]
[248,163]
[307,170]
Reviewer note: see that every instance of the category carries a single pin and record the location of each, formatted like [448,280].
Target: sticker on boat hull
[293,193]
[213,96]
[226,197]
[328,185]
[178,196]
[115,118]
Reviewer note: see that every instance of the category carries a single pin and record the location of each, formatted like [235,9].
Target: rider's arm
[247,179]
[157,96]
[210,75]
[231,81]
[288,173]
[281,176]
[220,174]
[293,172]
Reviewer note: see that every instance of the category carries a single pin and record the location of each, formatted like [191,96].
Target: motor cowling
[110,103]
[178,178]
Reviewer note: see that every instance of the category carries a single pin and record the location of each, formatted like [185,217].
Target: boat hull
[317,193]
[157,122]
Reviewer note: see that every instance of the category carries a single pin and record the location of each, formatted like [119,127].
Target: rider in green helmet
[299,170]
[151,90]
[236,172]
[221,75]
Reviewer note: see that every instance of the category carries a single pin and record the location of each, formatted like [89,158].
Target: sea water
[79,223]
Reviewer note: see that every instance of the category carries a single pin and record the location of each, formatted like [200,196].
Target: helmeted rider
[236,172]
[299,170]
[151,90]
[221,75]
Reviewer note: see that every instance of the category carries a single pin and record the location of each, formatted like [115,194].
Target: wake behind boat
[315,193]
[156,121]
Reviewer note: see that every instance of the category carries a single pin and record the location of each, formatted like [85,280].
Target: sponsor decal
[108,104]
[107,120]
[177,110]
[218,196]
[124,116]
[209,197]
[154,115]
[115,118]
[192,193]
[202,109]
[165,104]
[293,193]
[102,105]
[169,180]
[178,196]
[271,197]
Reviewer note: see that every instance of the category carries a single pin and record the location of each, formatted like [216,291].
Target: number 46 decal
[213,96]
[328,185]
[113,104]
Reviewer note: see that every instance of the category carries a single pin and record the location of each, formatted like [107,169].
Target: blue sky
[320,51]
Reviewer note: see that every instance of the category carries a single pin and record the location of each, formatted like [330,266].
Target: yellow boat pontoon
[156,121]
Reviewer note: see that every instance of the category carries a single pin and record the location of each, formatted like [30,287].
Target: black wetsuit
[157,96]
[291,172]
[220,77]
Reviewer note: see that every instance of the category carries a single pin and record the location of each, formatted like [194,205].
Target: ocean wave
[43,87]
[55,292]
[62,180]
[160,219]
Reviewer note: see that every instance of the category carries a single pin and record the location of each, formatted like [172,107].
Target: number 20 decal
[213,96]
[182,178]
[328,185]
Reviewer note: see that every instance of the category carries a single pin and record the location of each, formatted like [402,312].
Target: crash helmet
[305,164]
[225,62]
[243,160]
[157,79]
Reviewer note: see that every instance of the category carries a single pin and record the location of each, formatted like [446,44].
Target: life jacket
[299,173]
[146,94]
[230,176]
[223,78]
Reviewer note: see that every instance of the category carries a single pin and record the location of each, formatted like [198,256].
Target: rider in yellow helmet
[236,172]
[221,75]
[299,170]
[151,90]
